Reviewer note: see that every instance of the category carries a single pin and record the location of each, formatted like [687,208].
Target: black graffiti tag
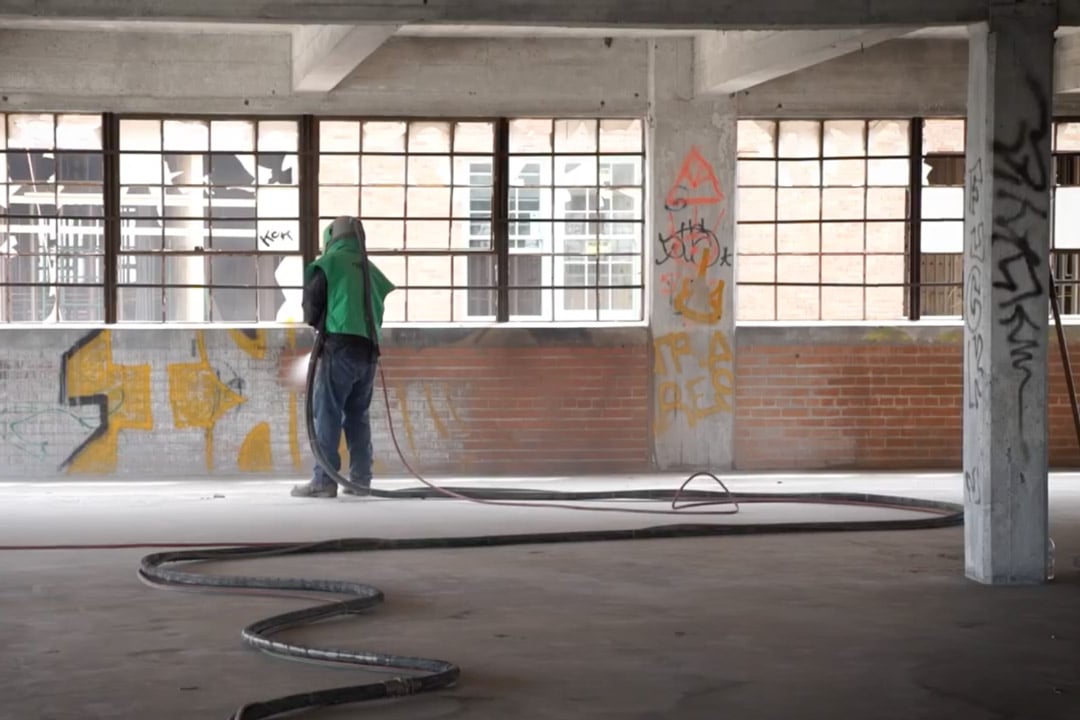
[690,243]
[976,345]
[1022,181]
[973,289]
[271,236]
[975,182]
[972,486]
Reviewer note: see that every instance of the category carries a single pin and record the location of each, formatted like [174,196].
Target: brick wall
[865,397]
[177,402]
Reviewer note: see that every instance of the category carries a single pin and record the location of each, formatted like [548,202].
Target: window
[425,192]
[205,219]
[51,218]
[1066,216]
[942,217]
[576,212]
[525,269]
[209,221]
[822,219]
[914,251]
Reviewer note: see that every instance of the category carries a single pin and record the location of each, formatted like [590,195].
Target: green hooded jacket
[342,264]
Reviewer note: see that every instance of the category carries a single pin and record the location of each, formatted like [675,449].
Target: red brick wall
[1064,447]
[552,402]
[556,401]
[814,398]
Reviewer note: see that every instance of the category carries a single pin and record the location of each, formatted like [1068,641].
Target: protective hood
[342,234]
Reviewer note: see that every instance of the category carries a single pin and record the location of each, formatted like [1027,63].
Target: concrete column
[1006,303]
[692,182]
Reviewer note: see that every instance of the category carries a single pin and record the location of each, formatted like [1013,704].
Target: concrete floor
[878,625]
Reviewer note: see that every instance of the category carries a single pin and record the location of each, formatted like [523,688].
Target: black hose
[424,675]
[430,674]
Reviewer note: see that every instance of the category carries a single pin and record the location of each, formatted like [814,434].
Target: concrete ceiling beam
[730,62]
[324,55]
[1067,64]
[701,14]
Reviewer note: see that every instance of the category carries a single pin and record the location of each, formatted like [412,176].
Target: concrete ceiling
[324,55]
[417,30]
[949,32]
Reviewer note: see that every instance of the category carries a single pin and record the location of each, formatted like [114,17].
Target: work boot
[314,491]
[358,488]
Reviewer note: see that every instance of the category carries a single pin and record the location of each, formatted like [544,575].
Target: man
[335,302]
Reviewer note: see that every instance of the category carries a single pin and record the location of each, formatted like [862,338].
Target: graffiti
[246,417]
[255,454]
[294,408]
[430,411]
[699,290]
[30,427]
[973,486]
[1022,182]
[120,393]
[273,237]
[695,186]
[694,386]
[695,194]
[251,341]
[198,397]
[689,244]
[973,291]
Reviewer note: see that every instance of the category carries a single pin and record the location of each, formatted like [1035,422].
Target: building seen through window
[209,221]
[822,211]
[51,218]
[828,229]
[427,191]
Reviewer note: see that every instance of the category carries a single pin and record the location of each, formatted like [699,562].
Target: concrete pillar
[1006,303]
[692,182]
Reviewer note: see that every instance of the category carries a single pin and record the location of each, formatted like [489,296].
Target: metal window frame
[820,159]
[113,153]
[308,154]
[501,222]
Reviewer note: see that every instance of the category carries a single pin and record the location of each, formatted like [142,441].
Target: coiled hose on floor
[423,675]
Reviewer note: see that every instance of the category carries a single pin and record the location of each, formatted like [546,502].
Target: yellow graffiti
[687,396]
[343,451]
[698,289]
[294,411]
[440,427]
[255,454]
[198,397]
[678,346]
[254,345]
[406,418]
[90,374]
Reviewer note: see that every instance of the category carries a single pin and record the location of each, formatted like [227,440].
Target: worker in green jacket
[334,302]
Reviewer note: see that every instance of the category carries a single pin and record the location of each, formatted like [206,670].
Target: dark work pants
[344,382]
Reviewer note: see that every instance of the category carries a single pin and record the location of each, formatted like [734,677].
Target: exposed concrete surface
[692,285]
[597,13]
[243,511]
[878,625]
[729,62]
[1007,244]
[157,72]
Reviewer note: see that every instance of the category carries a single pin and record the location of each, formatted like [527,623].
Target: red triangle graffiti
[695,185]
